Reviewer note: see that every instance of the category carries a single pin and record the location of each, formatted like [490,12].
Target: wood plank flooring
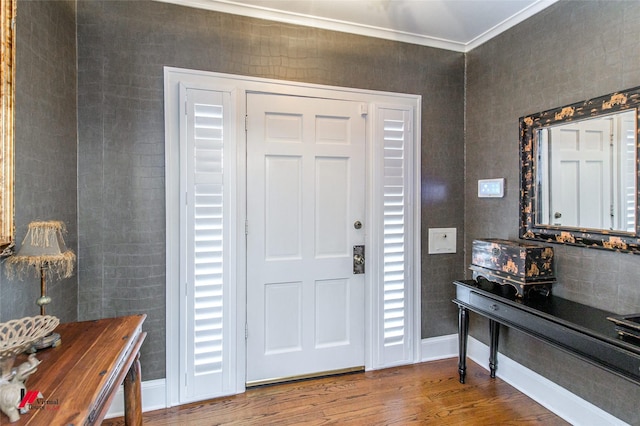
[426,393]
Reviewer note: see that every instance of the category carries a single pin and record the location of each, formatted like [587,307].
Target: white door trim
[238,86]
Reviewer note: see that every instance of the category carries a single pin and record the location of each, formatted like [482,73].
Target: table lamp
[44,252]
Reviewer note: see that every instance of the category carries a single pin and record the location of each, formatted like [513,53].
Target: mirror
[7,80]
[579,173]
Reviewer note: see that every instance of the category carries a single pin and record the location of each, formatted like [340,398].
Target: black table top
[582,318]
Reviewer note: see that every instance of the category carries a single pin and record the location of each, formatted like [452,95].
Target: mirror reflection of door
[581,174]
[591,170]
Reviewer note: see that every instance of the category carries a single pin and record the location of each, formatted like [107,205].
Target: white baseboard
[441,347]
[154,397]
[556,399]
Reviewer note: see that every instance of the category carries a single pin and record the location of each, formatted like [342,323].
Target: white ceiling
[458,25]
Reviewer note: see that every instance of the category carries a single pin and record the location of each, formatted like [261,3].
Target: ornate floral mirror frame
[7,80]
[529,126]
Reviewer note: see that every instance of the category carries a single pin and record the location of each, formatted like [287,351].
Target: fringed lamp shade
[44,252]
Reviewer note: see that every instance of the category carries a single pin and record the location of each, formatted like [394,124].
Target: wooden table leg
[133,395]
[494,334]
[463,333]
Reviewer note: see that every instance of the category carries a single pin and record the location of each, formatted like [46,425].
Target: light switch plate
[491,188]
[442,240]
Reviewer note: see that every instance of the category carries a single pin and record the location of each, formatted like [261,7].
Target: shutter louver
[208,239]
[628,174]
[394,217]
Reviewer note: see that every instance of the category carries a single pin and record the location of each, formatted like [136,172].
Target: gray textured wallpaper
[570,52]
[122,49]
[45,147]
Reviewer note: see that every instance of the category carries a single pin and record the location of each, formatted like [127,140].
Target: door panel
[332,313]
[283,215]
[332,207]
[305,189]
[283,317]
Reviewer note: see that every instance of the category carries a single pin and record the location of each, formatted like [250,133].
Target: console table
[576,328]
[79,379]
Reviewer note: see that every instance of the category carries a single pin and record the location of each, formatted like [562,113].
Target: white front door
[305,192]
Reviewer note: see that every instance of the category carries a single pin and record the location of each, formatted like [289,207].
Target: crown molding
[510,22]
[231,7]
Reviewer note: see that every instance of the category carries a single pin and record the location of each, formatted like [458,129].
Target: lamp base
[53,340]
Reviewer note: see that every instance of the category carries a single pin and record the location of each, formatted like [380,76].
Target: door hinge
[246,123]
[246,227]
[246,331]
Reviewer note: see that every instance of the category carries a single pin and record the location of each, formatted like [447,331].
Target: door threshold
[276,380]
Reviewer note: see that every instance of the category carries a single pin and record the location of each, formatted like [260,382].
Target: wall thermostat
[491,188]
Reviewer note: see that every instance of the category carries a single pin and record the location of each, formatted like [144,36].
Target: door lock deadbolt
[357,224]
[358,259]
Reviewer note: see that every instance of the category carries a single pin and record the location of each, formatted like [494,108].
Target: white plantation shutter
[206,282]
[394,225]
[207,238]
[395,137]
[628,168]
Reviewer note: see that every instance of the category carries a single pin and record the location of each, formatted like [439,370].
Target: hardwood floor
[427,393]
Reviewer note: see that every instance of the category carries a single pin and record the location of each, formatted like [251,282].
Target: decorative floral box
[522,265]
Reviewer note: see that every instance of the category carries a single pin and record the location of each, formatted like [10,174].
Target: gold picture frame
[7,94]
